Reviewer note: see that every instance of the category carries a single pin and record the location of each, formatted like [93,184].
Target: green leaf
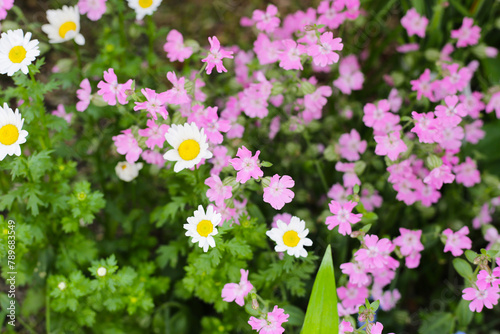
[437,323]
[463,268]
[322,316]
[471,255]
[463,313]
[266,164]
[296,315]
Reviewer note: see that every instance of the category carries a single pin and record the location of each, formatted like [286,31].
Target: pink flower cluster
[486,290]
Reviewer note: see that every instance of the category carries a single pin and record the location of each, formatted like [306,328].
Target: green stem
[121,20]
[45,142]
[47,311]
[78,58]
[151,36]
[316,163]
[26,325]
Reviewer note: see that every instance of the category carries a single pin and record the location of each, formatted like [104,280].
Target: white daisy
[291,238]
[190,146]
[127,171]
[11,133]
[143,7]
[64,25]
[201,227]
[17,51]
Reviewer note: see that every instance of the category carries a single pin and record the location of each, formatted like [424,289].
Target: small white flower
[17,51]
[64,25]
[143,7]
[127,171]
[11,133]
[61,286]
[189,146]
[101,271]
[290,238]
[201,227]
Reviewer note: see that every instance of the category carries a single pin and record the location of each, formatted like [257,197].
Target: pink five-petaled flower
[155,134]
[246,165]
[481,297]
[266,21]
[127,144]
[457,242]
[375,252]
[322,53]
[175,48]
[439,175]
[218,192]
[215,56]
[111,90]
[391,145]
[351,145]
[425,126]
[277,193]
[155,103]
[410,246]
[61,112]
[486,280]
[237,292]
[494,104]
[467,173]
[467,34]
[290,57]
[343,216]
[177,94]
[414,23]
[345,327]
[271,324]
[4,7]
[93,8]
[83,95]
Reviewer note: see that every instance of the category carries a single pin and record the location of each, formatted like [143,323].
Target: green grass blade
[322,316]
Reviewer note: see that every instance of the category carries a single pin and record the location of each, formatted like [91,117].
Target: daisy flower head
[17,51]
[143,7]
[189,146]
[11,133]
[290,237]
[64,25]
[202,227]
[127,171]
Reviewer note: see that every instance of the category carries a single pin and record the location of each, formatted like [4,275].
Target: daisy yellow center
[17,54]
[204,228]
[66,27]
[189,149]
[145,3]
[8,134]
[291,238]
[124,166]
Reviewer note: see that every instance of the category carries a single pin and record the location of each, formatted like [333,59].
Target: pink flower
[351,145]
[344,327]
[214,126]
[247,165]
[486,280]
[84,95]
[267,52]
[425,126]
[290,57]
[484,216]
[438,176]
[330,13]
[93,8]
[395,100]
[266,21]
[375,252]
[343,216]
[217,192]
[61,112]
[254,100]
[391,145]
[220,159]
[284,217]
[457,242]
[491,235]
[177,94]
[237,292]
[111,90]
[389,299]
[155,134]
[414,23]
[352,295]
[277,193]
[338,193]
[271,324]
[4,7]
[494,104]
[467,173]
[370,200]
[451,113]
[479,297]
[357,272]
[409,241]
[154,158]
[215,56]
[423,85]
[472,104]
[127,144]
[155,103]
[456,80]
[377,328]
[175,47]
[350,178]
[467,34]
[375,116]
[405,48]
[322,53]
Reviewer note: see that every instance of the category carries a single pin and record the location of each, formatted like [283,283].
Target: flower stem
[78,59]
[45,142]
[316,163]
